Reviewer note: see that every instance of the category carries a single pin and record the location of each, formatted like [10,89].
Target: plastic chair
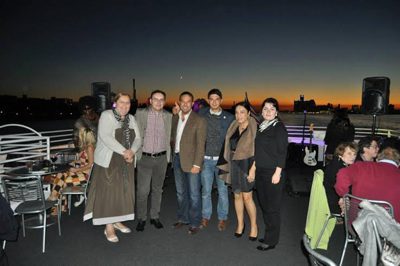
[28,192]
[350,214]
[315,257]
[75,190]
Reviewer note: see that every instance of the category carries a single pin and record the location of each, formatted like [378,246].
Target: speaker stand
[373,124]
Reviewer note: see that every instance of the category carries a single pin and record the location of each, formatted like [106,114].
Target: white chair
[27,191]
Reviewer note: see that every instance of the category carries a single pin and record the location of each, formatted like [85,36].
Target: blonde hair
[121,94]
[86,138]
[389,153]
[339,151]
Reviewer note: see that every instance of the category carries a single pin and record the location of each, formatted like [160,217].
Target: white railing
[33,145]
[319,132]
[28,144]
[19,148]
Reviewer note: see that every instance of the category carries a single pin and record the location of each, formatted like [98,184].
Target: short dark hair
[246,105]
[87,102]
[272,101]
[186,93]
[158,91]
[216,92]
[365,142]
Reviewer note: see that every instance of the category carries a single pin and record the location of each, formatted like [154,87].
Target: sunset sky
[322,49]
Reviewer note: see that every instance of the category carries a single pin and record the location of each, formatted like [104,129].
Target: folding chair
[75,190]
[28,192]
[315,257]
[350,214]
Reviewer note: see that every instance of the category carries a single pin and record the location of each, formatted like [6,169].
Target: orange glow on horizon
[345,95]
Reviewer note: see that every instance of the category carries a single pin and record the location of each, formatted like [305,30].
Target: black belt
[154,155]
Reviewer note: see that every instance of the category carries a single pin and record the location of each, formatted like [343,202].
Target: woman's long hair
[86,138]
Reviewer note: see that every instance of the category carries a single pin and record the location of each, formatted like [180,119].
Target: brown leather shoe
[193,230]
[221,225]
[178,225]
[204,223]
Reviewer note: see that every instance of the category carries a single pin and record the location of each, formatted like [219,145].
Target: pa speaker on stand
[375,97]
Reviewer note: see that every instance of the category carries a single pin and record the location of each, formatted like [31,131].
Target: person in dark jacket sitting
[345,155]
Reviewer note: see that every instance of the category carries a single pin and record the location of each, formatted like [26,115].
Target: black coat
[8,223]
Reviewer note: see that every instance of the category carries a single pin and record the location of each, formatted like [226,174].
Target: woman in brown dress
[111,197]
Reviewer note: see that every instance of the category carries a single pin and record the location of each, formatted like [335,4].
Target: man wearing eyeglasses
[155,127]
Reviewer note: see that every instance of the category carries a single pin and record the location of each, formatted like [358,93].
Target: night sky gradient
[322,49]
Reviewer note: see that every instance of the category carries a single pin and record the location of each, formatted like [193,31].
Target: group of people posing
[209,147]
[205,147]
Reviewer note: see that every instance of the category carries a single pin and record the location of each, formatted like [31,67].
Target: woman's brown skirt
[111,196]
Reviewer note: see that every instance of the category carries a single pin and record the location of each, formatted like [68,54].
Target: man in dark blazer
[188,138]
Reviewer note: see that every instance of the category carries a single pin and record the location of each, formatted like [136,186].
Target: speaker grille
[375,95]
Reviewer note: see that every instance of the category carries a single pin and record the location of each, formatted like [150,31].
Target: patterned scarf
[126,139]
[265,124]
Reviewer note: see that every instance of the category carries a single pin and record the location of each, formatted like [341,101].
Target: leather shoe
[156,222]
[265,247]
[178,225]
[193,230]
[204,223]
[221,225]
[140,226]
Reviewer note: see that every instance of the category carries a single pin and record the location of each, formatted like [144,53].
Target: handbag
[390,254]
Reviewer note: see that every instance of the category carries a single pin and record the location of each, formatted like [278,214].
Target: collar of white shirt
[216,113]
[186,116]
[388,161]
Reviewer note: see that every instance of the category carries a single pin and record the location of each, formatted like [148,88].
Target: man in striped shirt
[155,127]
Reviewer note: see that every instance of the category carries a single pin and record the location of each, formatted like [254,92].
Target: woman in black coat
[270,156]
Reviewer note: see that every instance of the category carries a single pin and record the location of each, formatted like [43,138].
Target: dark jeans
[188,188]
[270,197]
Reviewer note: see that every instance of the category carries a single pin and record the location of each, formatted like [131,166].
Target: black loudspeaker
[375,95]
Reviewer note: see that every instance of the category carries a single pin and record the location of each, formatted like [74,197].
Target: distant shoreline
[391,122]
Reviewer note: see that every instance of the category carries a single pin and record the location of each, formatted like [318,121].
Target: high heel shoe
[253,238]
[113,239]
[79,202]
[125,230]
[240,234]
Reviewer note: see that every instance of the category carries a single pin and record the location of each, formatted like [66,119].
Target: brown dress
[111,196]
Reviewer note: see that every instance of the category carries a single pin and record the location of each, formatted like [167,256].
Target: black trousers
[270,197]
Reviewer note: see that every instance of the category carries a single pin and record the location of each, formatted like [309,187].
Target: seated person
[345,155]
[373,180]
[78,174]
[368,149]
